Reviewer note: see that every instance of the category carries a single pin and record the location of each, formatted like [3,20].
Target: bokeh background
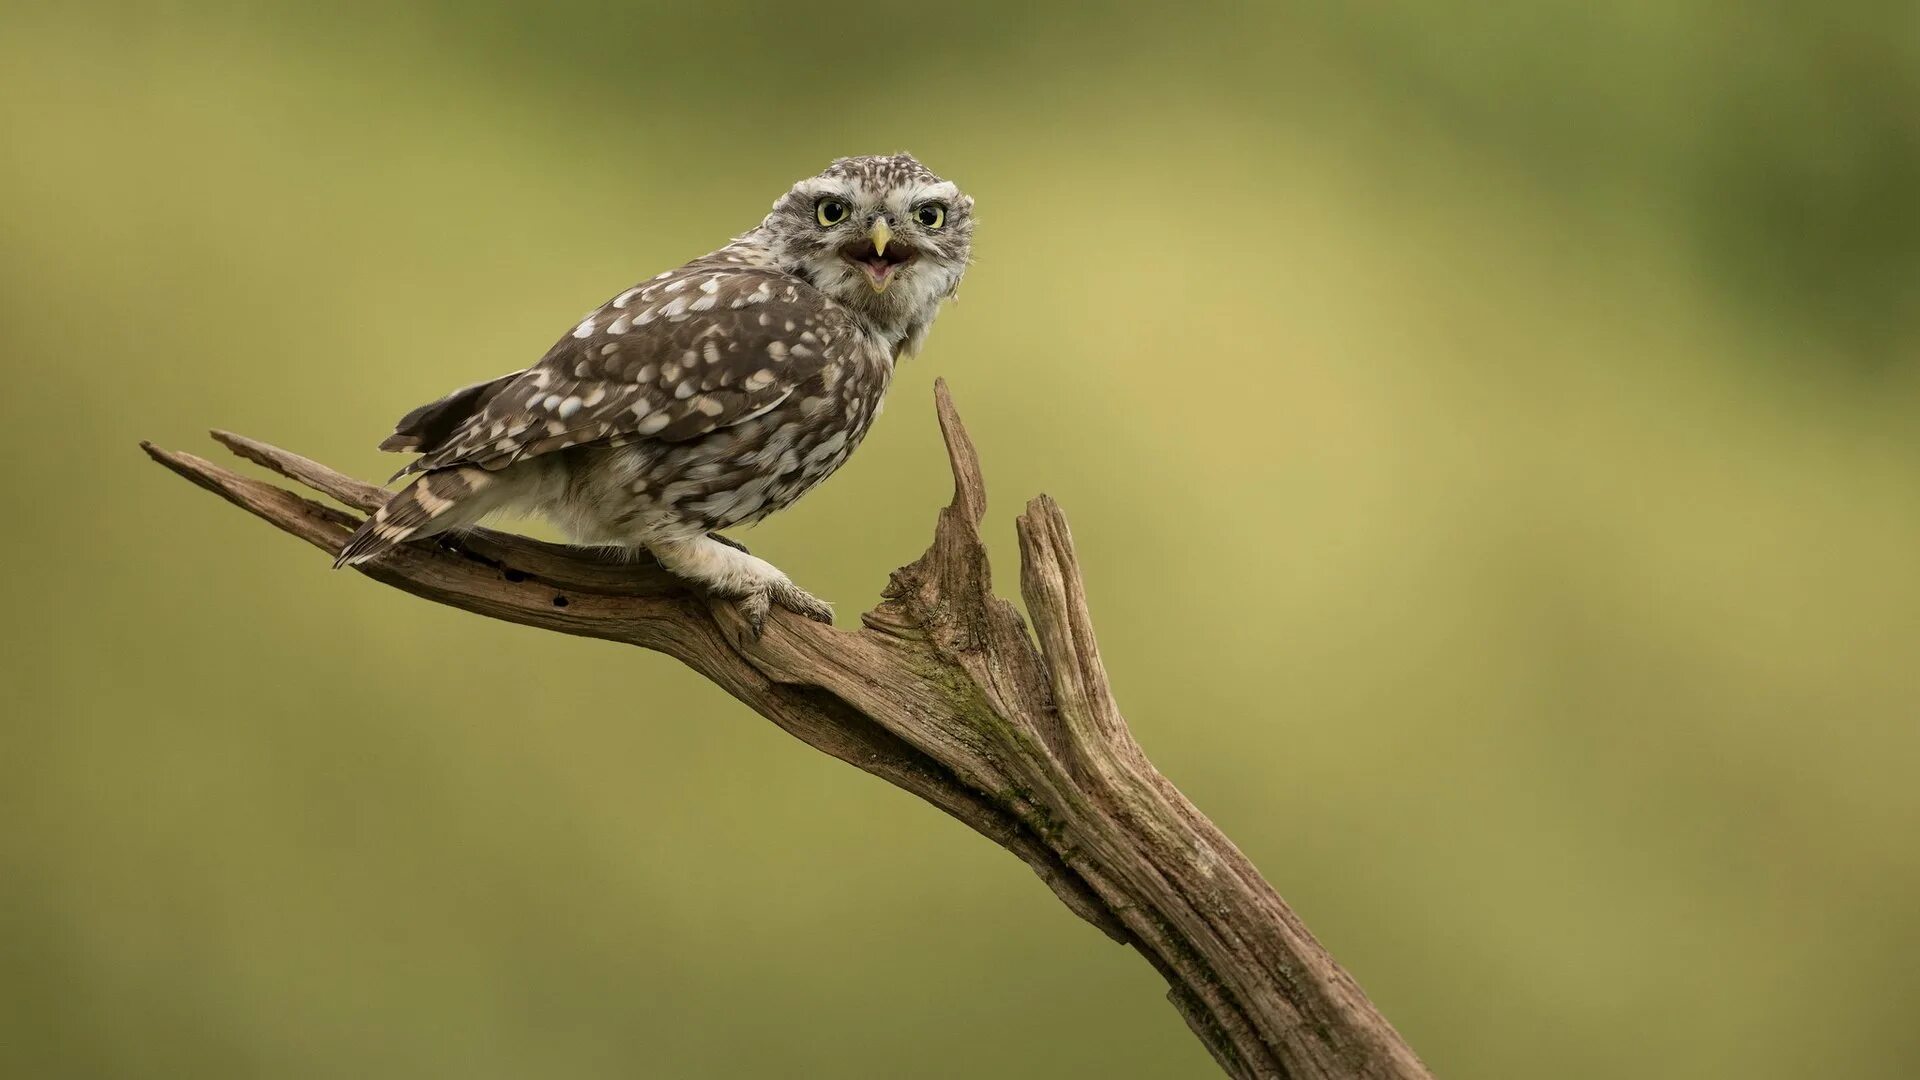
[1489,431]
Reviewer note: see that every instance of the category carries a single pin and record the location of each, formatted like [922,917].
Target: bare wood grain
[945,692]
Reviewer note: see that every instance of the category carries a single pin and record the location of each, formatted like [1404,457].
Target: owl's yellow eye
[931,216]
[829,212]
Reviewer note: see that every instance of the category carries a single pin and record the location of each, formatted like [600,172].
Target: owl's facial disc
[878,255]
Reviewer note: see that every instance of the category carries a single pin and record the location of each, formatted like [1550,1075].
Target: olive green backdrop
[1490,435]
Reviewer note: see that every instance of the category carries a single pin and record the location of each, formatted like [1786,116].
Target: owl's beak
[880,235]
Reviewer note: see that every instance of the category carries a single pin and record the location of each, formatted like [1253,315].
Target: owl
[707,397]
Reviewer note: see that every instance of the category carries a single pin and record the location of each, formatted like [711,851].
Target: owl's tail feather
[433,425]
[440,500]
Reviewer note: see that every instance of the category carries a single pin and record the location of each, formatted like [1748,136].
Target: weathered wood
[946,693]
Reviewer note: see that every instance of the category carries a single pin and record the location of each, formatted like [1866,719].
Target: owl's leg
[750,581]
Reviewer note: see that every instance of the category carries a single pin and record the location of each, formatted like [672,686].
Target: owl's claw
[753,608]
[755,605]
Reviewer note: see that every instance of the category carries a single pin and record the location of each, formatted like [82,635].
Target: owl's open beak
[872,256]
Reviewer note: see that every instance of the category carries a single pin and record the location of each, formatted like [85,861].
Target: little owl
[708,397]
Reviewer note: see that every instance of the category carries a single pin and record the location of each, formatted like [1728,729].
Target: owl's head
[882,235]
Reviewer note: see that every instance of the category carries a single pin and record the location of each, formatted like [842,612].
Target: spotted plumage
[707,397]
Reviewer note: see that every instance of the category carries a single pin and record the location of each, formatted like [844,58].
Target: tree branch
[945,693]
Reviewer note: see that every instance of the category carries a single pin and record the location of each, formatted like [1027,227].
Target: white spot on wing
[779,437]
[827,449]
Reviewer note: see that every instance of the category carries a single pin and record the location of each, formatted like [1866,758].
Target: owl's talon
[753,608]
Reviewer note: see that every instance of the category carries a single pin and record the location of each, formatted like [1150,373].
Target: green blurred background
[1490,435]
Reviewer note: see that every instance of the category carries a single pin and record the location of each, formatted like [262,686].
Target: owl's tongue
[879,266]
[879,271]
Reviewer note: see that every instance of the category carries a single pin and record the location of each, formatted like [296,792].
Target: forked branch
[943,692]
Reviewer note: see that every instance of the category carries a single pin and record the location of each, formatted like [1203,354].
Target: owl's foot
[755,605]
[752,583]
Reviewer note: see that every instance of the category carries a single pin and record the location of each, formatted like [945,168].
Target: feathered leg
[727,571]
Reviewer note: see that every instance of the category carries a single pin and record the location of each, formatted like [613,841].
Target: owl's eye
[829,212]
[931,216]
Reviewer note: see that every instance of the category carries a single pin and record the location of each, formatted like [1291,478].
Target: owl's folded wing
[692,351]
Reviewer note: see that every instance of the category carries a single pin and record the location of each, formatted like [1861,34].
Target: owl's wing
[694,350]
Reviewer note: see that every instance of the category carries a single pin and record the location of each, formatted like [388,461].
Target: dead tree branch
[943,692]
